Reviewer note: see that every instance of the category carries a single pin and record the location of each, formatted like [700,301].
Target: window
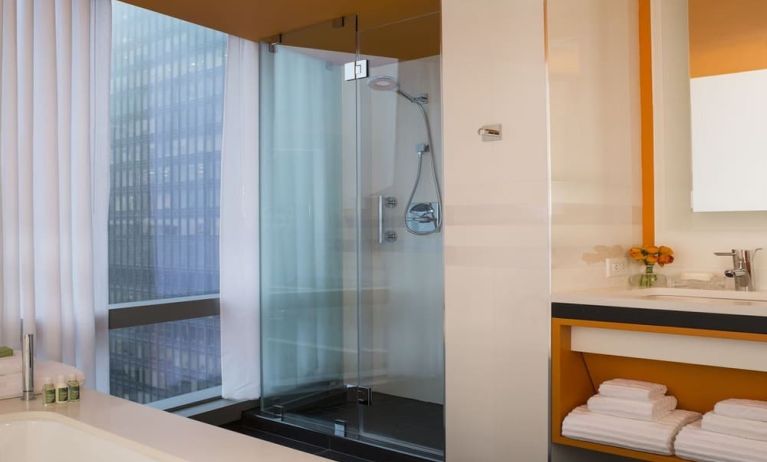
[166,121]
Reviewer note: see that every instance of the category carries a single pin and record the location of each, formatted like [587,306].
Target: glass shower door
[351,233]
[309,228]
[401,342]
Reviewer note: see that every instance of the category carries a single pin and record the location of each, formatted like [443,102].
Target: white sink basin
[46,437]
[671,293]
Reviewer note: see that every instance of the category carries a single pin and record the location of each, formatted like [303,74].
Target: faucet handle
[731,253]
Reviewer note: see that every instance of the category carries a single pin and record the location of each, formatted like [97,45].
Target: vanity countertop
[673,307]
[173,435]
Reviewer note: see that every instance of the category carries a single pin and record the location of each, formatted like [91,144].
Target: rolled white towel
[632,389]
[649,436]
[11,385]
[742,428]
[694,443]
[11,364]
[748,409]
[653,409]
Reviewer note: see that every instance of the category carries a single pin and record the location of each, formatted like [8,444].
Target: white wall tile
[595,138]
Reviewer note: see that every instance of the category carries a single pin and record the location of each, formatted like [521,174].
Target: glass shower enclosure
[351,233]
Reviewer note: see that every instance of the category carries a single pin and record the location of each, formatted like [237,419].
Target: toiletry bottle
[62,390]
[49,391]
[74,388]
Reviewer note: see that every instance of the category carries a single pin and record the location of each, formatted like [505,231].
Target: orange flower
[663,250]
[665,259]
[636,253]
[652,250]
[651,260]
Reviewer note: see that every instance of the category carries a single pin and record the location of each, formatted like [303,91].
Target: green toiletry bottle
[74,388]
[49,391]
[62,390]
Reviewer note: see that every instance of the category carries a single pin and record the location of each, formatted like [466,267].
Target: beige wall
[496,241]
[596,191]
[694,236]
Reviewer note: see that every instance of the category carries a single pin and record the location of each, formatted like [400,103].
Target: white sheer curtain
[53,123]
[239,245]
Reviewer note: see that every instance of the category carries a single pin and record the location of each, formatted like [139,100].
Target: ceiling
[259,19]
[727,36]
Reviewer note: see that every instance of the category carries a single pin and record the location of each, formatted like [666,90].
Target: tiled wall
[496,239]
[595,141]
[694,236]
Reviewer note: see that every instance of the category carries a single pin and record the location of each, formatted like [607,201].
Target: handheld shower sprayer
[422,218]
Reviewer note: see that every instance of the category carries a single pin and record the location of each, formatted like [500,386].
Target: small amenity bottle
[74,388]
[49,391]
[62,390]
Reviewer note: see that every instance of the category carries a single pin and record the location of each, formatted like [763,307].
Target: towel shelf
[576,375]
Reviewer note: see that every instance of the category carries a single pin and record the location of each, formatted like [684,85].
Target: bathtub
[47,436]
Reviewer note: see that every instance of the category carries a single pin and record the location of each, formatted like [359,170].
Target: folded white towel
[694,443]
[632,389]
[11,385]
[742,409]
[653,409]
[751,429]
[11,364]
[649,436]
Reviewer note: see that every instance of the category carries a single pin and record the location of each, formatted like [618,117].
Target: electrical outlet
[616,267]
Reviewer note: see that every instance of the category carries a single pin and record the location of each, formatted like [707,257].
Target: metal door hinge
[364,396]
[356,70]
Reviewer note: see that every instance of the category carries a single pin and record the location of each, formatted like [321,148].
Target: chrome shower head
[389,83]
[383,83]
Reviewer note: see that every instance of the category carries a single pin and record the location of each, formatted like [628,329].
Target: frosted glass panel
[729,142]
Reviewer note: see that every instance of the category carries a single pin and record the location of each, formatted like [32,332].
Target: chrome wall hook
[490,132]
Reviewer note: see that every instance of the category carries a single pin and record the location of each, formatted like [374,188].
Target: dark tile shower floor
[394,417]
[390,418]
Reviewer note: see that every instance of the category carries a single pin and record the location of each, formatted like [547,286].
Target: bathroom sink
[47,436]
[662,293]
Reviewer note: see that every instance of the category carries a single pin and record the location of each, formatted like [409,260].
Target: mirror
[728,104]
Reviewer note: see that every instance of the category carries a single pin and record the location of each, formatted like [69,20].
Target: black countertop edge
[670,318]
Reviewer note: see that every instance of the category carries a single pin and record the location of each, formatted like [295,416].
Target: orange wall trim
[647,129]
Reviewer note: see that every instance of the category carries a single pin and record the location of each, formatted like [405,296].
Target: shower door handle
[380,219]
[383,234]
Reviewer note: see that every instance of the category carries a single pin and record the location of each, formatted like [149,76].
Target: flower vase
[648,278]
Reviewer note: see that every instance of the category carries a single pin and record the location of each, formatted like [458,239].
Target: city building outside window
[167,93]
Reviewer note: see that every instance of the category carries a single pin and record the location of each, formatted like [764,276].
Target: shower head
[389,83]
[383,83]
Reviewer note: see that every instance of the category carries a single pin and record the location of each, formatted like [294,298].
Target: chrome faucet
[742,267]
[28,367]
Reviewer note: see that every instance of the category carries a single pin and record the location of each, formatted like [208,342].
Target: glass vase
[648,278]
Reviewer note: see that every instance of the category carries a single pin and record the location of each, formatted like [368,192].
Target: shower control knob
[390,202]
[390,236]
